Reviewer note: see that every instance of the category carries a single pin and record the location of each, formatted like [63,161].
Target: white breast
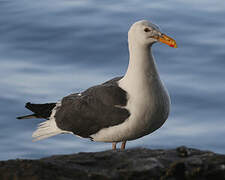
[148,104]
[148,100]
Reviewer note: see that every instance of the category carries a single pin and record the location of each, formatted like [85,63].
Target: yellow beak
[167,40]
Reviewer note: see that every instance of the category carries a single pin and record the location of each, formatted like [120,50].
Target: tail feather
[48,128]
[47,111]
[41,110]
[45,130]
[28,116]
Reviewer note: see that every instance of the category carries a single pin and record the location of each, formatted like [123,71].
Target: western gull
[121,109]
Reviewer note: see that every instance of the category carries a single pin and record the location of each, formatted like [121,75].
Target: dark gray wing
[96,108]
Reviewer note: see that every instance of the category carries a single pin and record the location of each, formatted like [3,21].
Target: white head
[145,33]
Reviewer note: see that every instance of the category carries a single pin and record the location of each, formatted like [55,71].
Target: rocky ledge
[180,163]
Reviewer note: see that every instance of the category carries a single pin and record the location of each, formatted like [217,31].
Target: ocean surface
[51,48]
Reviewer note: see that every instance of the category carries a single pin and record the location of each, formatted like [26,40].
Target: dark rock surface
[181,163]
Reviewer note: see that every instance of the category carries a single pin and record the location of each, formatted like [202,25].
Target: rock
[132,164]
[183,151]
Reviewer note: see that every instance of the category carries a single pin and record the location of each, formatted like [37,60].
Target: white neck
[141,64]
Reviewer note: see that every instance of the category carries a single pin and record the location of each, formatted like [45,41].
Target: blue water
[51,48]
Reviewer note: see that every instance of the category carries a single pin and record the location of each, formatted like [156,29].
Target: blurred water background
[51,48]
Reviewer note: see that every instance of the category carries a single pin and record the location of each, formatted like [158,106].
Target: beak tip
[168,40]
[172,45]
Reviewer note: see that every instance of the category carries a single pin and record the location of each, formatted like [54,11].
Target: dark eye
[146,29]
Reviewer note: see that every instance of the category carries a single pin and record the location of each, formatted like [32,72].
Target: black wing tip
[28,116]
[21,117]
[28,104]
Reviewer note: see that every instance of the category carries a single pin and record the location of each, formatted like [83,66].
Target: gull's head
[146,33]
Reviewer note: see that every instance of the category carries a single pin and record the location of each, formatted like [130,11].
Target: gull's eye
[146,30]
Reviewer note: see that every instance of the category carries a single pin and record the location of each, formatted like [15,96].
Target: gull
[119,110]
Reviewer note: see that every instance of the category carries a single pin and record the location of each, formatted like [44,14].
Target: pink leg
[114,146]
[123,145]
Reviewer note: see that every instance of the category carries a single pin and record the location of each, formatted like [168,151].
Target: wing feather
[96,108]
